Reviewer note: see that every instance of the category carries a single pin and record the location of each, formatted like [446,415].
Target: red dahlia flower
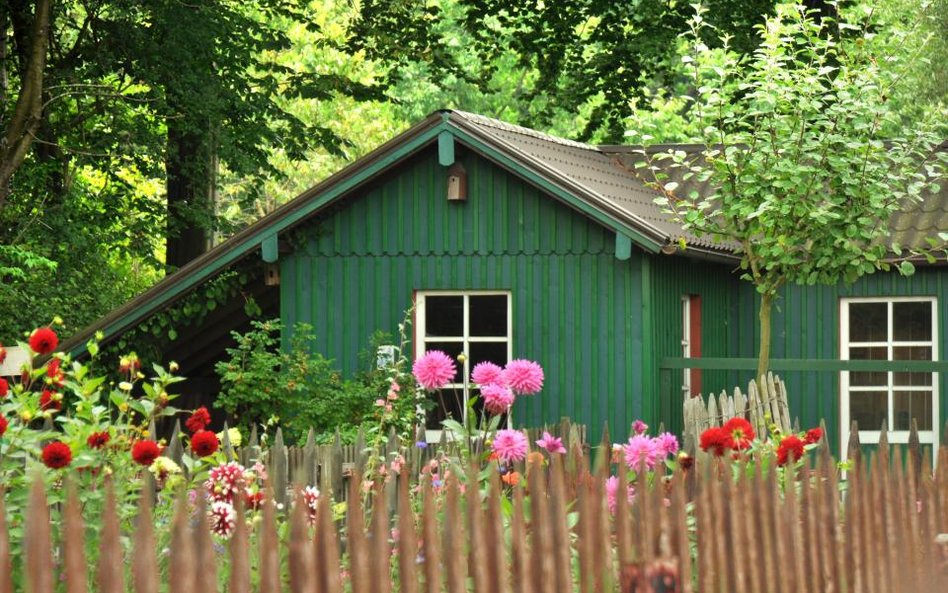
[50,400]
[97,440]
[740,432]
[55,373]
[43,340]
[813,436]
[57,455]
[204,443]
[790,449]
[4,387]
[199,420]
[145,452]
[3,425]
[715,440]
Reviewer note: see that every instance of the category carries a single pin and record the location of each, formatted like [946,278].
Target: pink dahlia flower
[223,518]
[434,370]
[485,373]
[523,376]
[667,442]
[510,445]
[497,398]
[551,443]
[612,492]
[641,449]
[639,427]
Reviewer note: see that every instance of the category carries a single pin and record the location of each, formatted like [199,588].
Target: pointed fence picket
[763,404]
[886,534]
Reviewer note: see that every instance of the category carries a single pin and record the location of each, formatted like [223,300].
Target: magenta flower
[497,398]
[485,373]
[523,376]
[612,491]
[639,427]
[434,370]
[551,443]
[510,445]
[641,449]
[667,443]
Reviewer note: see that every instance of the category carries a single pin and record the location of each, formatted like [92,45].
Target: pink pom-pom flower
[497,398]
[434,370]
[485,373]
[523,376]
[510,445]
[641,449]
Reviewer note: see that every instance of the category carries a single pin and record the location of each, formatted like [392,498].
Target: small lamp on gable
[457,183]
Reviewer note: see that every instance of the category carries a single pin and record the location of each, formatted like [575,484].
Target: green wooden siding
[576,308]
[806,325]
[672,278]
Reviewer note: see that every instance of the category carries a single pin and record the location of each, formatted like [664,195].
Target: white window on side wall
[898,328]
[477,323]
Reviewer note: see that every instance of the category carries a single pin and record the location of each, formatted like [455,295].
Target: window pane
[912,353]
[448,403]
[495,352]
[488,315]
[452,349]
[444,316]
[912,404]
[869,377]
[912,321]
[868,408]
[868,322]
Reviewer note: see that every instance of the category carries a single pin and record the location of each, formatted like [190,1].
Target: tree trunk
[190,212]
[763,356]
[20,130]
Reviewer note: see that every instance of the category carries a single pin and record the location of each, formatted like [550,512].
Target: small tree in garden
[805,158]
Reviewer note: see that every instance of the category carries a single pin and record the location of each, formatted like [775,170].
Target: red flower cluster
[4,387]
[51,400]
[736,434]
[56,375]
[57,455]
[43,340]
[813,436]
[97,440]
[199,420]
[3,425]
[790,449]
[204,443]
[253,501]
[145,452]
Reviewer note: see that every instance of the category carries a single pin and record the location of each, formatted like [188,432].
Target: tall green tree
[805,155]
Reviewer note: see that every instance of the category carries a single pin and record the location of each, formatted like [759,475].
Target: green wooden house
[508,243]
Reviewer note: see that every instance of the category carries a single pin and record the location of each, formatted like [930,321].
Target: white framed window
[896,328]
[476,322]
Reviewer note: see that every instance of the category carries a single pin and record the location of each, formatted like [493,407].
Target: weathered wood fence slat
[888,533]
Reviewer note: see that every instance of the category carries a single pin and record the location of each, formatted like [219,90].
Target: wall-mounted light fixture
[457,183]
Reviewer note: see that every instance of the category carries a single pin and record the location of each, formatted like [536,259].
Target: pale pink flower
[667,442]
[523,376]
[222,518]
[639,427]
[309,496]
[497,398]
[612,492]
[510,445]
[551,443]
[485,373]
[641,449]
[434,370]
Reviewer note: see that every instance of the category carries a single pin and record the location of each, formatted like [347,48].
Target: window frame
[929,437]
[420,340]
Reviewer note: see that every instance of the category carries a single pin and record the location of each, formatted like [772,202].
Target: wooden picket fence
[331,466]
[761,405]
[888,533]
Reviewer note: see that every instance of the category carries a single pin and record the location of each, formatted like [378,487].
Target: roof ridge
[490,122]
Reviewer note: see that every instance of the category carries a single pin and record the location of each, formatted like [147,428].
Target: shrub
[296,389]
